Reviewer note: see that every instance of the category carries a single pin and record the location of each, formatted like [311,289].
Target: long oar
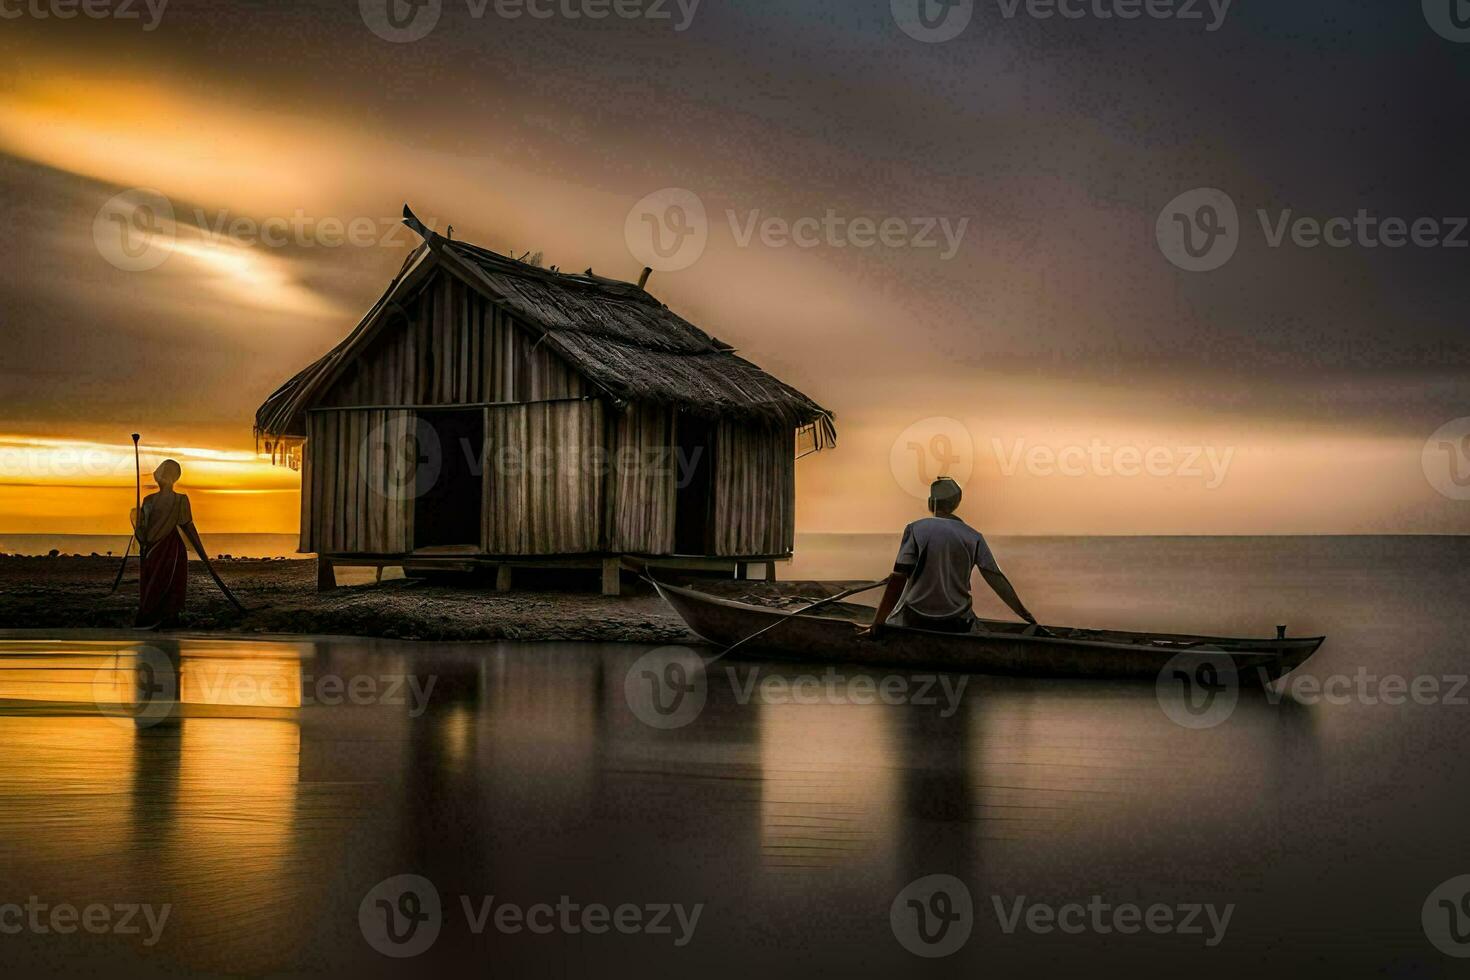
[225,588]
[138,509]
[804,609]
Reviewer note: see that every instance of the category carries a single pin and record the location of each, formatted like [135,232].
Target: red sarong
[162,582]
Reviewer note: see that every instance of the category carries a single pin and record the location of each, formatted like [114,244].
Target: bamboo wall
[357,490]
[454,348]
[543,479]
[641,481]
[755,491]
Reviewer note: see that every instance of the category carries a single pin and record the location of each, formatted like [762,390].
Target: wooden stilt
[740,567]
[326,579]
[502,578]
[612,576]
[770,571]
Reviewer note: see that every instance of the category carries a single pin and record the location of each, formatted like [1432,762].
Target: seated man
[932,573]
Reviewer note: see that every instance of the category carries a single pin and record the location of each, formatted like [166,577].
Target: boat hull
[831,636]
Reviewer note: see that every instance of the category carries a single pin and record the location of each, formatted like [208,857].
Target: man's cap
[944,490]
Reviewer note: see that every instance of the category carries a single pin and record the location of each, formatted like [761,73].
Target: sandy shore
[69,593]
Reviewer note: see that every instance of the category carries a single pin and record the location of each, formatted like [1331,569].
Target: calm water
[265,810]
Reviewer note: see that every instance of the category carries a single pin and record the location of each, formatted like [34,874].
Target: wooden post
[502,578]
[326,579]
[612,576]
[770,571]
[739,570]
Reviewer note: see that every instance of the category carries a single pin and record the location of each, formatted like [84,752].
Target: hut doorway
[694,500]
[447,512]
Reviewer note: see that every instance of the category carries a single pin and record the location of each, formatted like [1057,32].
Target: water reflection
[267,800]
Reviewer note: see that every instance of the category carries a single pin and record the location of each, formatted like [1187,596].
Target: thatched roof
[614,333]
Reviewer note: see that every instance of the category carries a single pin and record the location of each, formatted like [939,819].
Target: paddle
[138,509]
[805,609]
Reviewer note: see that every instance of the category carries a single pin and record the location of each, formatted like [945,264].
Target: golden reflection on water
[189,800]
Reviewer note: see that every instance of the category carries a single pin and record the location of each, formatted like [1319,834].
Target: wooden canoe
[993,647]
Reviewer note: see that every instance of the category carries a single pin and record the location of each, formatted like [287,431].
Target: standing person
[164,577]
[931,576]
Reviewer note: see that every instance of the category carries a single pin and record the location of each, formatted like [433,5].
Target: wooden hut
[487,411]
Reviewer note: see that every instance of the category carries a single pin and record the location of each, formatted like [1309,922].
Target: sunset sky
[1293,389]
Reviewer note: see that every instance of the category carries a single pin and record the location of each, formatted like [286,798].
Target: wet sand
[72,592]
